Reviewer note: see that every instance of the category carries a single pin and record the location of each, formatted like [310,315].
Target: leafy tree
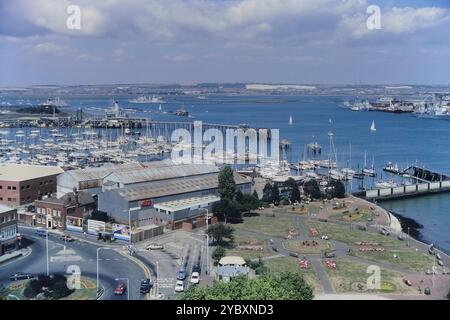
[227,210]
[311,188]
[267,193]
[258,266]
[275,194]
[337,189]
[218,253]
[255,194]
[294,193]
[221,234]
[227,185]
[249,202]
[239,196]
[286,286]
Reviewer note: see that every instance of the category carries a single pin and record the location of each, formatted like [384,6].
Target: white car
[179,286]
[195,278]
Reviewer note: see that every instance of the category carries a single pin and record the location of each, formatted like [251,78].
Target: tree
[286,286]
[275,194]
[221,234]
[249,202]
[255,194]
[311,188]
[337,189]
[218,253]
[267,193]
[294,192]
[227,185]
[227,210]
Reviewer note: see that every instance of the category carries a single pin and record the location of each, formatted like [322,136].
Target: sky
[194,41]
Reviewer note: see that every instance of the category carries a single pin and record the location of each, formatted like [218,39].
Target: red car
[120,289]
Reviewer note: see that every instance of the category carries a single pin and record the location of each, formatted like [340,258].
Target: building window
[22,187]
[9,199]
[9,187]
[14,199]
[1,187]
[14,188]
[3,219]
[54,212]
[1,198]
[28,186]
[12,217]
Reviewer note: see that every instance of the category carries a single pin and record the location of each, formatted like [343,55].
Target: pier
[427,182]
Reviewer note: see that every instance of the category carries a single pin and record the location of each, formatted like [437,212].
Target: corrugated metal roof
[160,172]
[157,189]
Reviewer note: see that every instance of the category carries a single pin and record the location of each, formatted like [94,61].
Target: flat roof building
[21,184]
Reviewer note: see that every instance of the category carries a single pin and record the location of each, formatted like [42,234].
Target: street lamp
[207,240]
[98,251]
[48,267]
[128,285]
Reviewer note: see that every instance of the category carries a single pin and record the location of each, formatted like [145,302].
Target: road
[113,264]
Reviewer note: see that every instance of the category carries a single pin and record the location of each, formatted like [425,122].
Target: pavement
[114,263]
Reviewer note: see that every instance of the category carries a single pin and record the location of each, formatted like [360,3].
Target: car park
[181,274]
[196,268]
[179,286]
[195,278]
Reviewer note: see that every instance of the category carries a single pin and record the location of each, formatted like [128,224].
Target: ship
[141,99]
[182,113]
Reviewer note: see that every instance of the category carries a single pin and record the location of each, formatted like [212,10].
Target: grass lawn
[352,276]
[87,291]
[266,225]
[289,264]
[408,258]
[361,215]
[297,246]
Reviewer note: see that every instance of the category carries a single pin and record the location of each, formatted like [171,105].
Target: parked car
[21,276]
[400,237]
[324,237]
[179,286]
[155,246]
[146,285]
[195,278]
[181,274]
[196,268]
[67,238]
[407,282]
[384,232]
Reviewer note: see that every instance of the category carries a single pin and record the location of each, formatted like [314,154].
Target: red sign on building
[146,203]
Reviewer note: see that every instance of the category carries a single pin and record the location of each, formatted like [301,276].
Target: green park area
[307,246]
[353,215]
[351,276]
[290,264]
[374,246]
[31,290]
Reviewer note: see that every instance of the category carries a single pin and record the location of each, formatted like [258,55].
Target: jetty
[426,182]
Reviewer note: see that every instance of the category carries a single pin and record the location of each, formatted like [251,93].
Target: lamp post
[98,251]
[128,285]
[207,241]
[48,267]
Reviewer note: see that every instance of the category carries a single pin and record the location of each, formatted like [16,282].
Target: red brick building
[22,184]
[52,213]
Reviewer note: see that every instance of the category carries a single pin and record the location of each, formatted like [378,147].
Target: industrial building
[21,184]
[172,202]
[8,229]
[95,180]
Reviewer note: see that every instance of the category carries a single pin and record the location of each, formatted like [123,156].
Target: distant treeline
[39,110]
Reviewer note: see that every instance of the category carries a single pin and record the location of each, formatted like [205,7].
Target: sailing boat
[369,171]
[372,127]
[290,120]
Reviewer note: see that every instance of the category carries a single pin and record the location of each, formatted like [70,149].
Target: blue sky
[192,41]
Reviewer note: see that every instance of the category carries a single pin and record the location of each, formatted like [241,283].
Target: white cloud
[48,48]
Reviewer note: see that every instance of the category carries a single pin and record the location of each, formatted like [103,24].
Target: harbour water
[400,138]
